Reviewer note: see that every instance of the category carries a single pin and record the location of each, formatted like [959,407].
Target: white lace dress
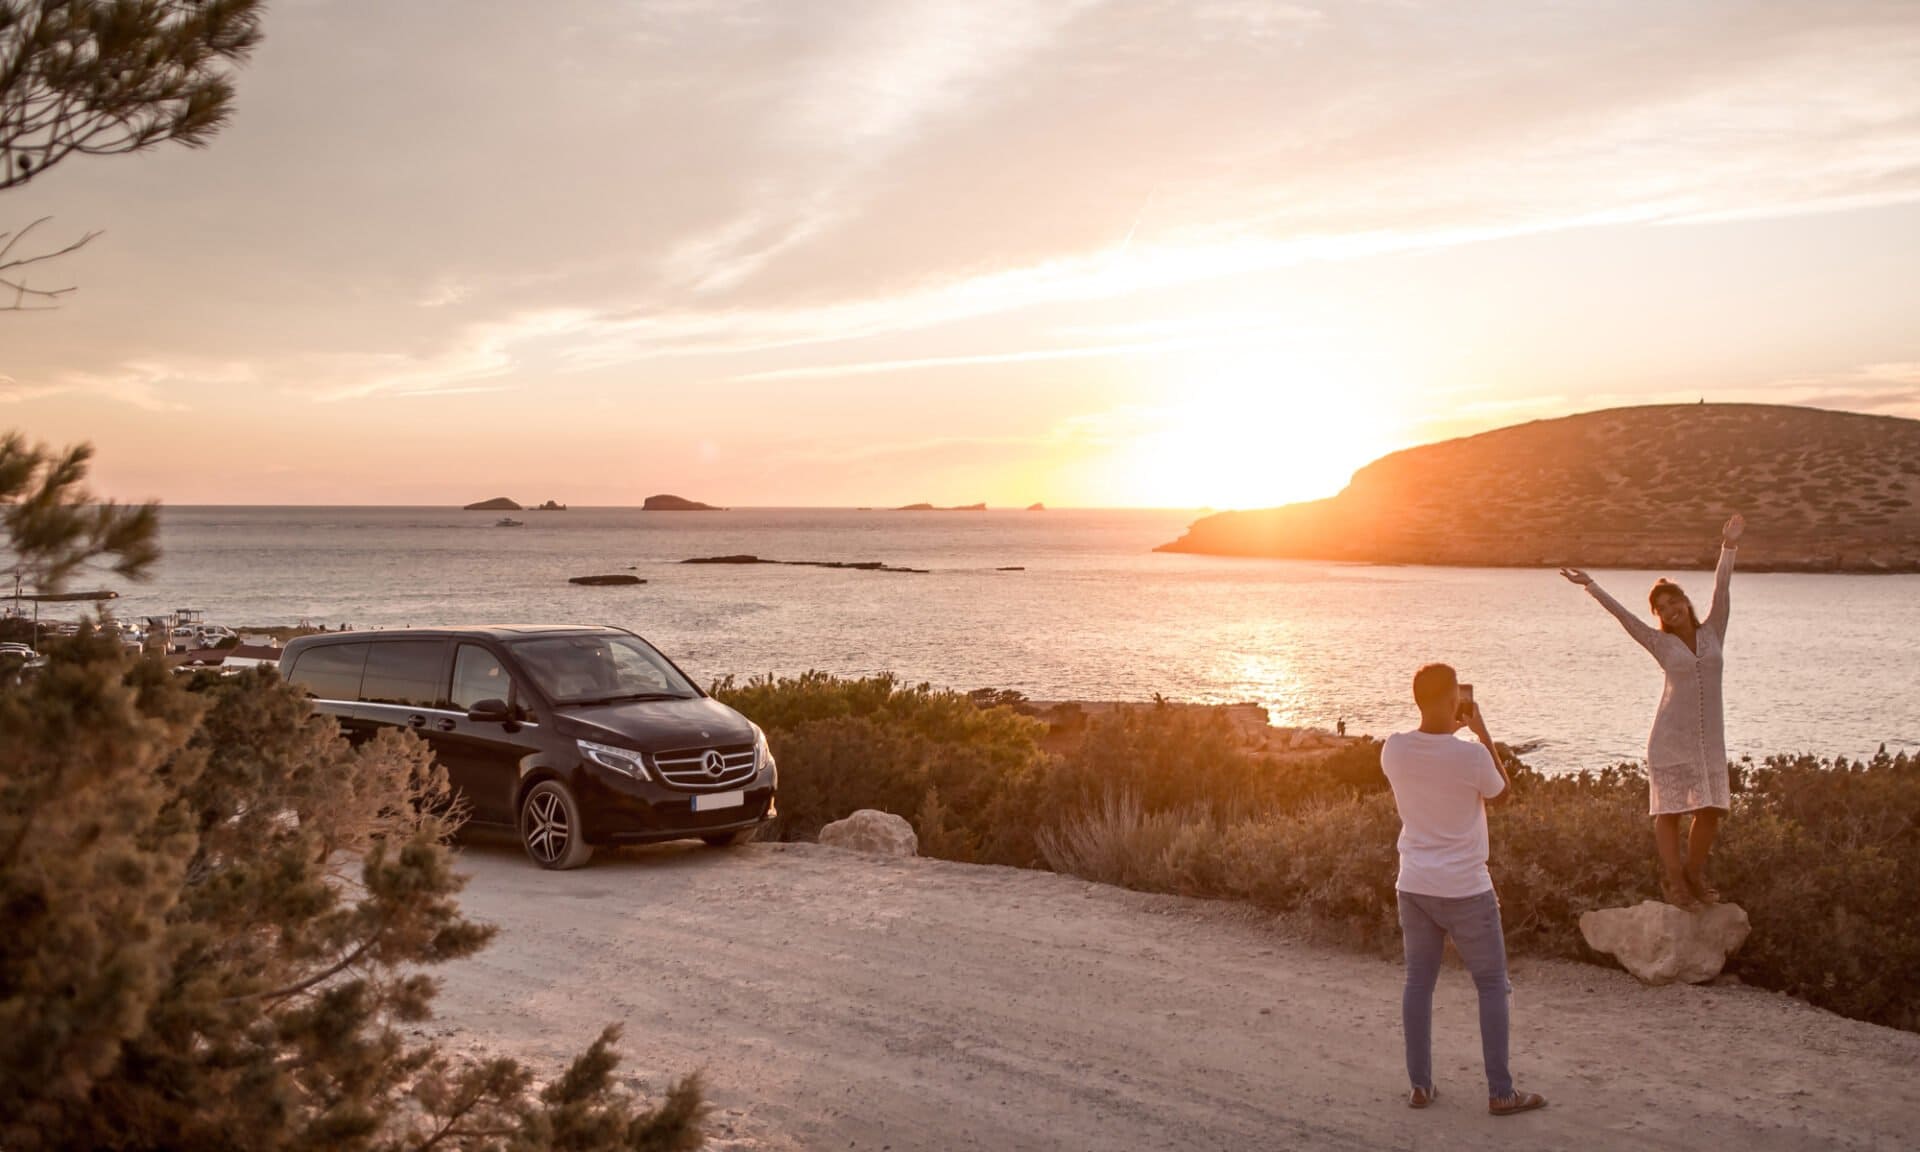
[1687,751]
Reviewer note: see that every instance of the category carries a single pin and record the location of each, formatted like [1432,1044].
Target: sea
[1074,604]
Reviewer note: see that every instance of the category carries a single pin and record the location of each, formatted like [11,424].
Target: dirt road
[843,1002]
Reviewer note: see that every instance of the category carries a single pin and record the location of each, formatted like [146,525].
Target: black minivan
[571,736]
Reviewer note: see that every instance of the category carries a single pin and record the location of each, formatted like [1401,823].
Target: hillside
[1621,488]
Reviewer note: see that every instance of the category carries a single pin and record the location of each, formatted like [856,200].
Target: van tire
[551,829]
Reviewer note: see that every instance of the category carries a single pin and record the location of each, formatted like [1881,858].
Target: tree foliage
[55,526]
[102,77]
[218,919]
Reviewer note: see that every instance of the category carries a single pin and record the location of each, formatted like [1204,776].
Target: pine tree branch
[318,978]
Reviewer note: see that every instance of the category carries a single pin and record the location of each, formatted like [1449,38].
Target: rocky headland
[1643,487]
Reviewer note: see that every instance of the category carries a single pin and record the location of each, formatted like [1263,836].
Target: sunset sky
[780,252]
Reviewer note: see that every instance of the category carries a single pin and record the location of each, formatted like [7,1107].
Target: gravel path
[840,1001]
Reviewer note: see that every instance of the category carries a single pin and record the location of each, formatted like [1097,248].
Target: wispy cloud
[971,360]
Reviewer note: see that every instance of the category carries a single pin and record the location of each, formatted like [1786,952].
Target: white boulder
[874,832]
[1662,944]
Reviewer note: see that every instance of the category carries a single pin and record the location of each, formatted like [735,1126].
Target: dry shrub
[1118,842]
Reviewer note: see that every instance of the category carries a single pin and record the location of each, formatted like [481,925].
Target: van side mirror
[489,712]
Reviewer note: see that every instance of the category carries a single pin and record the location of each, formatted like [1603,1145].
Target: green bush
[1824,855]
[964,774]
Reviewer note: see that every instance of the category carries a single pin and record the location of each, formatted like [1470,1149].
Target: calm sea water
[1820,663]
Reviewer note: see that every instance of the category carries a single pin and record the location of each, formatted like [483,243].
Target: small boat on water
[508,522]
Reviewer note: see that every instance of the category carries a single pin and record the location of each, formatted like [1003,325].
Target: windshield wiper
[629,697]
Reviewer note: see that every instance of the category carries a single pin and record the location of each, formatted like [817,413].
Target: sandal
[1705,892]
[1515,1104]
[1679,895]
[1421,1097]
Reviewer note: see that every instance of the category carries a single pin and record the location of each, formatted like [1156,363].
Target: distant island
[551,506]
[677,504]
[497,504]
[1645,487]
[1036,507]
[931,508]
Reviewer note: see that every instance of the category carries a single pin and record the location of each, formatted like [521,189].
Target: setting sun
[1263,421]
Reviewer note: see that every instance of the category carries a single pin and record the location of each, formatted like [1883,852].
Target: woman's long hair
[1666,587]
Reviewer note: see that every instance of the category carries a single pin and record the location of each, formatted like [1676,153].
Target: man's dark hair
[1432,683]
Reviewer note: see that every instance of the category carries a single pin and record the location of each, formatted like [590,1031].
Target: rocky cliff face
[1622,488]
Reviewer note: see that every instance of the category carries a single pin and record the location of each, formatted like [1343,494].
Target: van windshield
[601,669]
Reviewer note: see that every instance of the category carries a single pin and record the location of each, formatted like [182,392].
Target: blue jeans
[1474,924]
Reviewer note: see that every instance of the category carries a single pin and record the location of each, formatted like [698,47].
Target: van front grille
[706,769]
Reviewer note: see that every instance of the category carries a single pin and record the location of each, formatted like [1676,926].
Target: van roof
[487,631]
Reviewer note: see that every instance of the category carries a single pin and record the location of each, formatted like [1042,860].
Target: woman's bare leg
[1706,824]
[1666,837]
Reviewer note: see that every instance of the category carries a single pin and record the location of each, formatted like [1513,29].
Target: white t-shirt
[1440,784]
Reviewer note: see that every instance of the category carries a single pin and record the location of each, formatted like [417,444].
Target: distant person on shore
[1442,786]
[1687,750]
[1340,729]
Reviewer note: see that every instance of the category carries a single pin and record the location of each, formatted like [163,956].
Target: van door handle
[416,721]
[446,725]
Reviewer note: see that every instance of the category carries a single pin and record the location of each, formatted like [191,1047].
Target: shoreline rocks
[857,566]
[615,579]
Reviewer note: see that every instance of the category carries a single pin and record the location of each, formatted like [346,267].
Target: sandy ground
[843,1002]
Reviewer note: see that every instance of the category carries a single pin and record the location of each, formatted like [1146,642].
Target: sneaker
[1515,1104]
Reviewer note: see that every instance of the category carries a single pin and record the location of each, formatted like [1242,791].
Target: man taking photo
[1442,785]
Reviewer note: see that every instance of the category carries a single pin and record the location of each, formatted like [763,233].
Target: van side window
[478,675]
[330,671]
[407,672]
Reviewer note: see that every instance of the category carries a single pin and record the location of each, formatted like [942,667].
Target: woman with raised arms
[1687,752]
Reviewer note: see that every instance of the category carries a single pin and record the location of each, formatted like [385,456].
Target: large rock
[1662,944]
[879,833]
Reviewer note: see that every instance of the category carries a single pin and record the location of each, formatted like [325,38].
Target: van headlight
[622,760]
[763,756]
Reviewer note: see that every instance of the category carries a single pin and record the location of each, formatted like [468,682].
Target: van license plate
[719,800]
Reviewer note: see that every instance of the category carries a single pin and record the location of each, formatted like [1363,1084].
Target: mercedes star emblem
[715,763]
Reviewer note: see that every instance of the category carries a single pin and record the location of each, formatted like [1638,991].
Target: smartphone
[1466,702]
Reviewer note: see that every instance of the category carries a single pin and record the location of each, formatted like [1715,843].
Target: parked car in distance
[573,737]
[16,660]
